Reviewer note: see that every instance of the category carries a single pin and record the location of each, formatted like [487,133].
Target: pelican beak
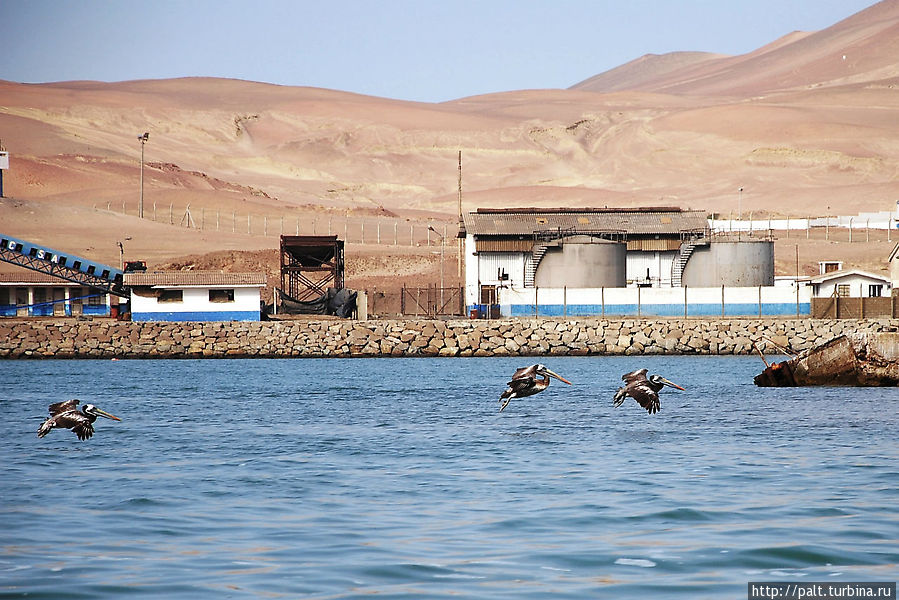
[103,413]
[557,376]
[672,384]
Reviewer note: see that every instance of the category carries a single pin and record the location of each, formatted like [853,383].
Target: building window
[167,296]
[5,296]
[96,299]
[875,291]
[221,295]
[843,290]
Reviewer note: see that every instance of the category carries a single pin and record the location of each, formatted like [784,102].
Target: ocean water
[400,478]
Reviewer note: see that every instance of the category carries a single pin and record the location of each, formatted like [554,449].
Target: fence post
[602,300]
[564,300]
[685,302]
[536,302]
[722,300]
[639,303]
[760,302]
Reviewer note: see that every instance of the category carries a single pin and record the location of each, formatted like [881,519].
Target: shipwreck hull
[870,359]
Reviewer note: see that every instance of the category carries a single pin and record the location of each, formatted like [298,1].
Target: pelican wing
[63,407]
[635,376]
[78,423]
[518,386]
[645,396]
[525,373]
[73,420]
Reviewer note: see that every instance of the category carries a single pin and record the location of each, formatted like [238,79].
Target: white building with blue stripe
[195,296]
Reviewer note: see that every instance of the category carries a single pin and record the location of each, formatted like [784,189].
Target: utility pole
[143,140]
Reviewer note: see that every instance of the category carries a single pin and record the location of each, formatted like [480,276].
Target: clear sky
[424,50]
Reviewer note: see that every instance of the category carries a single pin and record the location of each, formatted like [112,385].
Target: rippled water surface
[399,478]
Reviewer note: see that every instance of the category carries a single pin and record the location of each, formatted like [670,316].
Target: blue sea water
[400,478]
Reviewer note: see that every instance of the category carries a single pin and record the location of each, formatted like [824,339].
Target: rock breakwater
[105,338]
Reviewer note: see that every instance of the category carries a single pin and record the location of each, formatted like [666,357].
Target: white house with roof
[853,283]
[195,296]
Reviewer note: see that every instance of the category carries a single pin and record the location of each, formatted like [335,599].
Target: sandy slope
[801,129]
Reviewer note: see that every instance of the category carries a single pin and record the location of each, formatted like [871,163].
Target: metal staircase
[530,271]
[683,256]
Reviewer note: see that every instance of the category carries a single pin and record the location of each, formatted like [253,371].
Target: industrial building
[514,253]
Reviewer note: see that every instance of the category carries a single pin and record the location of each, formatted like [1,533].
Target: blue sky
[423,50]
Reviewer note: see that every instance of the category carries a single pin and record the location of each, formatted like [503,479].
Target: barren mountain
[807,125]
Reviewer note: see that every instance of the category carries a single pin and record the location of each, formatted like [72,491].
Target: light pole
[740,205]
[122,254]
[143,140]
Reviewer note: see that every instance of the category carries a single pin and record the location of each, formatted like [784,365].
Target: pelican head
[90,409]
[660,381]
[542,370]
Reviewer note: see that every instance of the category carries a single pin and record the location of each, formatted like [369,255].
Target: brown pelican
[525,383]
[66,415]
[642,389]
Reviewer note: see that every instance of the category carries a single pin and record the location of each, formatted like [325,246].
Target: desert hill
[803,130]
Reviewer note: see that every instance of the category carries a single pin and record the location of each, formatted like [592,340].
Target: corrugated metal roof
[637,222]
[194,278]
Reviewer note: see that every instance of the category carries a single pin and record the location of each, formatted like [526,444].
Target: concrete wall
[104,338]
[662,302]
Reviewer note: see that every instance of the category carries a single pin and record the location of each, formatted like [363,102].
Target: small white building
[195,296]
[853,283]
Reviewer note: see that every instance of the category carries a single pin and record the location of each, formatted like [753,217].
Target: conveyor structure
[63,265]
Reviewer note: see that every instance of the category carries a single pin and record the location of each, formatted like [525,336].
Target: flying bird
[67,416]
[525,383]
[642,389]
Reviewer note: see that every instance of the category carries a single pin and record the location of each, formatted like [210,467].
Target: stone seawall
[105,338]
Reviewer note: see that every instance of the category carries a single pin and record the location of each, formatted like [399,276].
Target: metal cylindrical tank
[582,261]
[744,263]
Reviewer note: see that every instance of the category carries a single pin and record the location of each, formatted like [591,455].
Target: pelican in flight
[645,390]
[67,416]
[525,383]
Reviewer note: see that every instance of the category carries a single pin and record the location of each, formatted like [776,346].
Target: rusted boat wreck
[859,359]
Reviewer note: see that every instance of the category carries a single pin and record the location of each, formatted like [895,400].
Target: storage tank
[744,263]
[582,261]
